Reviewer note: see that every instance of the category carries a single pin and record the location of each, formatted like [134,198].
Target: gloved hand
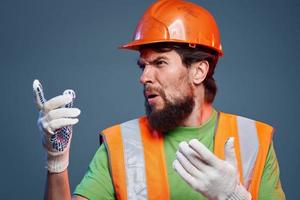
[214,178]
[56,118]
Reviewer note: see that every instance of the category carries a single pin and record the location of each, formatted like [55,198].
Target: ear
[198,71]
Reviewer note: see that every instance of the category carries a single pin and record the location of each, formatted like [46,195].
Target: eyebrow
[140,62]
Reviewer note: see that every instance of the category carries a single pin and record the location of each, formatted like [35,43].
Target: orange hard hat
[177,21]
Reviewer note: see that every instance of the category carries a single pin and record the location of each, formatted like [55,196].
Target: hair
[190,55]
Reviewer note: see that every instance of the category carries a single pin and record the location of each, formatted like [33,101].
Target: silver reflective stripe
[248,146]
[134,160]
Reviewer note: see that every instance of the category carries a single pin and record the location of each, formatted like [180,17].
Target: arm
[57,187]
[56,118]
[270,186]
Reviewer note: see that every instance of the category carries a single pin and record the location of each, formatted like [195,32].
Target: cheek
[182,85]
[178,91]
[176,85]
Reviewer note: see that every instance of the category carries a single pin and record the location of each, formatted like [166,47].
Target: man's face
[167,89]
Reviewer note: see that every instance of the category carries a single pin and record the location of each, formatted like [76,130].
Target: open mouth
[151,96]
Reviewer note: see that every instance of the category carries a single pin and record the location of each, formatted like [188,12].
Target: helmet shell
[177,21]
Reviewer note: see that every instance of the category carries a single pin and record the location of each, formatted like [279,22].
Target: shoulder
[242,120]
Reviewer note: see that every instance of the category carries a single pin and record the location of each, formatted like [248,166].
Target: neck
[200,114]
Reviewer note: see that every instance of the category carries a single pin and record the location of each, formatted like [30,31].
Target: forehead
[148,55]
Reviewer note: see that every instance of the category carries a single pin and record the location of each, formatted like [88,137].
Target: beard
[172,114]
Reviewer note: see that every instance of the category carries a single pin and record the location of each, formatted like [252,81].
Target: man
[183,147]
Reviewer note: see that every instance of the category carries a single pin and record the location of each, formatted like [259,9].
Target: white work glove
[214,178]
[56,118]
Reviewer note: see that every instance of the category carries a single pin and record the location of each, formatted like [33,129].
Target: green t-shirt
[97,182]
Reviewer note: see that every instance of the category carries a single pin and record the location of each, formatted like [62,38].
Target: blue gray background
[73,44]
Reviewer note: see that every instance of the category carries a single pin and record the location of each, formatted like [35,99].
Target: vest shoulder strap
[252,141]
[114,146]
[137,161]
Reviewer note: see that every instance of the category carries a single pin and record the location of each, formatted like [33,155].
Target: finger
[204,153]
[187,165]
[57,102]
[184,174]
[72,93]
[59,123]
[62,113]
[38,94]
[192,156]
[230,155]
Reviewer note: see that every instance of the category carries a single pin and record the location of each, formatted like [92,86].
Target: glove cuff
[239,193]
[57,163]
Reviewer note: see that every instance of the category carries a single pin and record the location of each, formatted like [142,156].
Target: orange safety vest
[137,159]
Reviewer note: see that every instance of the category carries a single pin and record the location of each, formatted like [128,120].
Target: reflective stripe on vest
[134,160]
[248,146]
[137,159]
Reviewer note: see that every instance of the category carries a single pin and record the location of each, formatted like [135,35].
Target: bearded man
[183,148]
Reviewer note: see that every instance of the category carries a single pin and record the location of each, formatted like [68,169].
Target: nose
[147,75]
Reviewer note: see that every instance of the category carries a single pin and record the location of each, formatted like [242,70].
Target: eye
[142,67]
[161,63]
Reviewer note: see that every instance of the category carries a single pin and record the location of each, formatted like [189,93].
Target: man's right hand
[55,121]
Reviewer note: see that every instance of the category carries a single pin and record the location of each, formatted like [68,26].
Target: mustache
[151,89]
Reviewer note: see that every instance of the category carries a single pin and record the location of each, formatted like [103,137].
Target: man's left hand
[214,178]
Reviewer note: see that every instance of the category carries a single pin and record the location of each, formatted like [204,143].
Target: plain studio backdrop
[74,44]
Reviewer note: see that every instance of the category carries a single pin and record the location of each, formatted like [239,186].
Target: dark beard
[172,115]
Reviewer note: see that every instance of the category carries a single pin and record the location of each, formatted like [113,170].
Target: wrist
[57,163]
[239,193]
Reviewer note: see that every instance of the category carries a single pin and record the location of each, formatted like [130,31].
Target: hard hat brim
[135,45]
